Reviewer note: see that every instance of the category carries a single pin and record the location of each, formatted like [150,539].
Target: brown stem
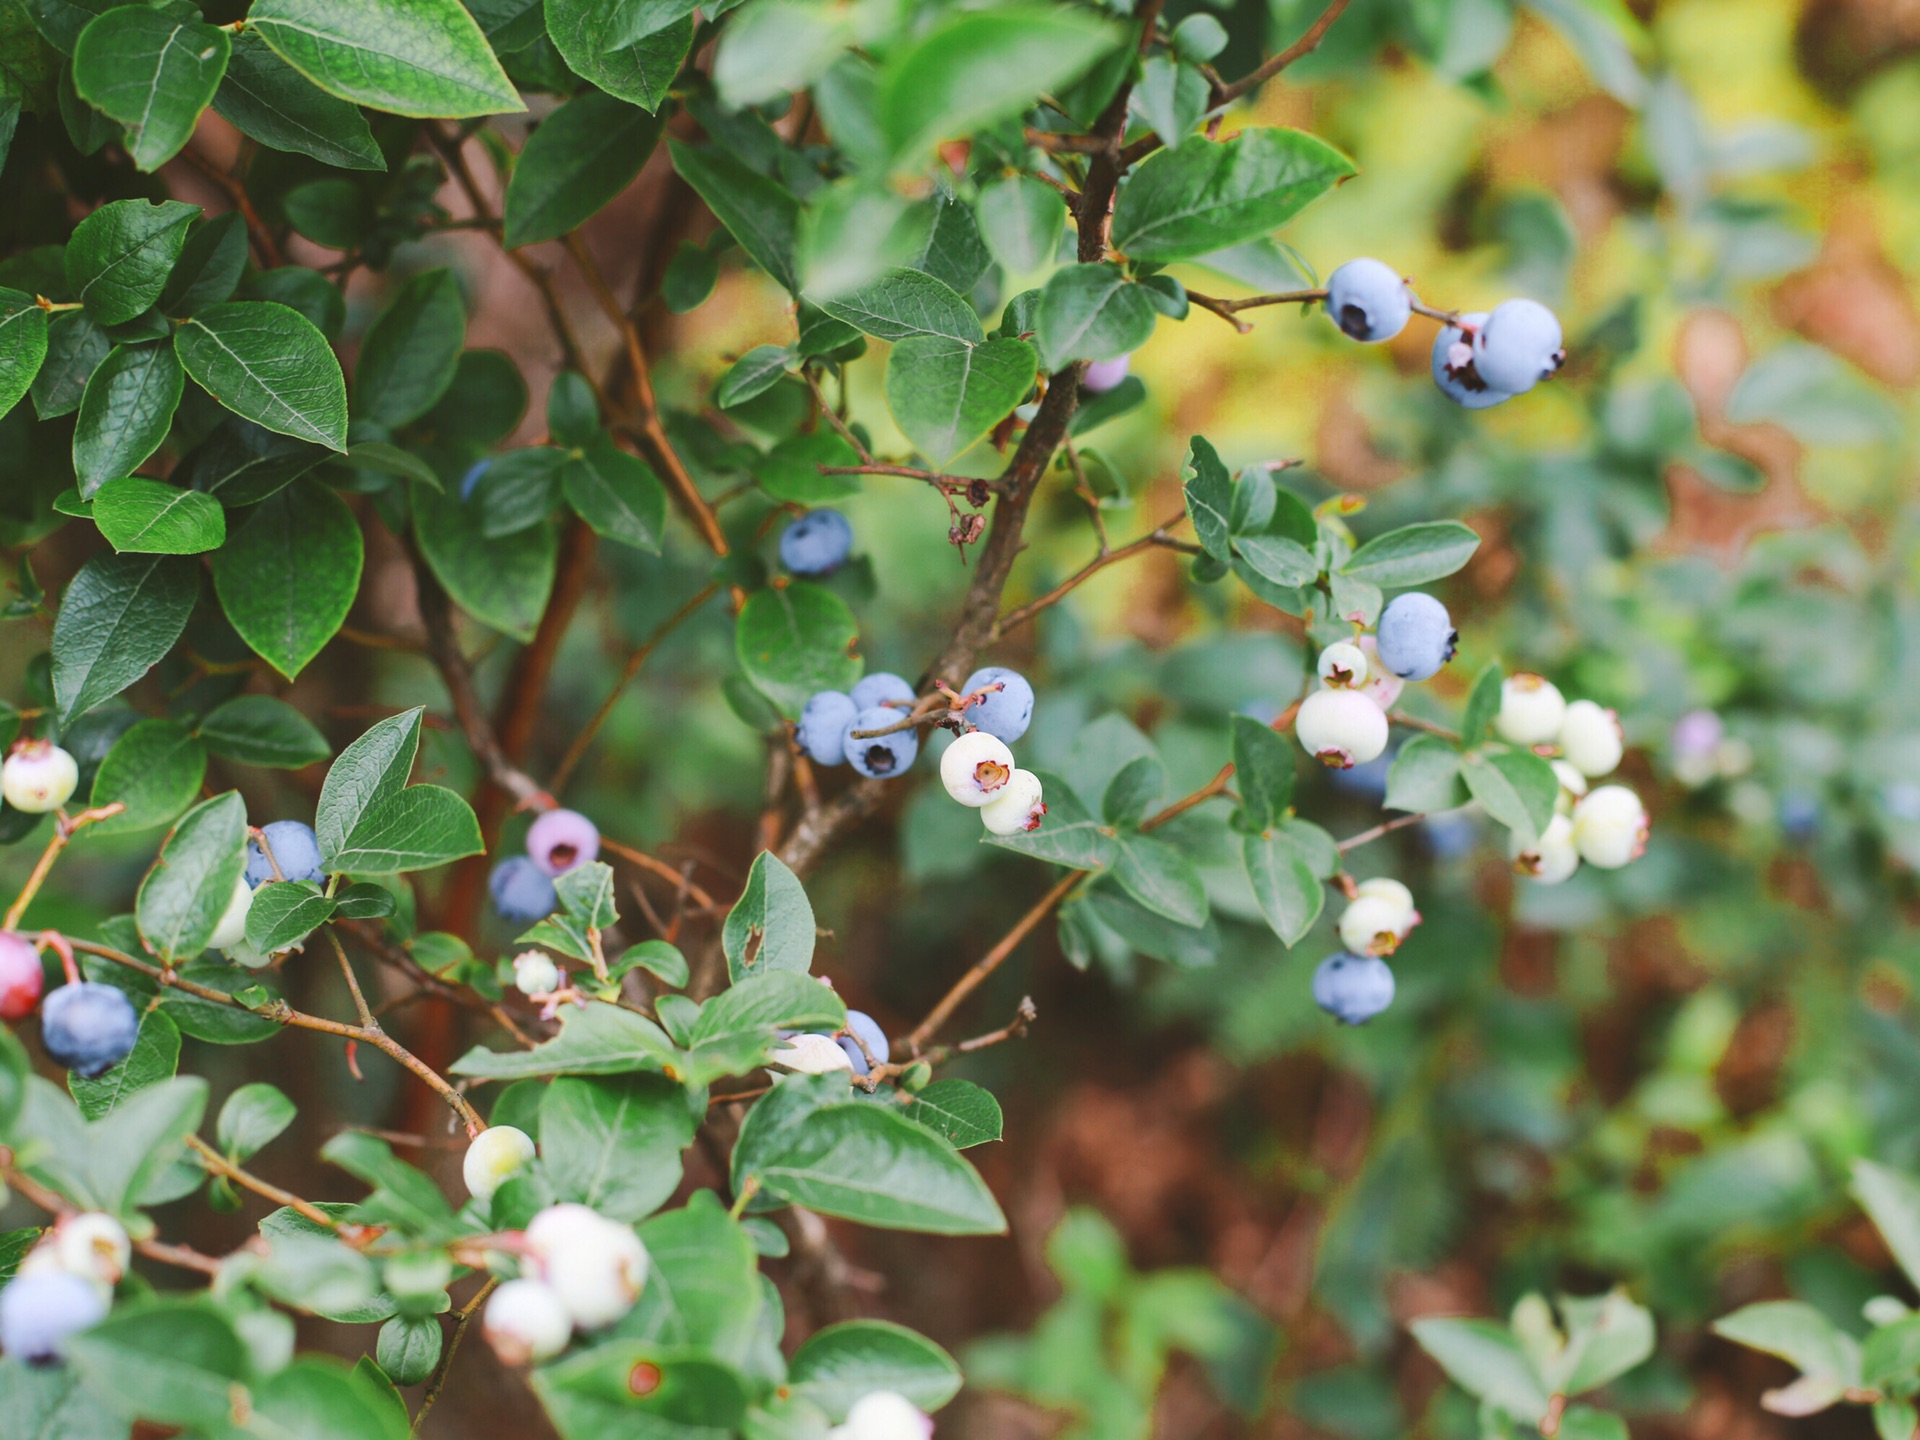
[63,831]
[438,1381]
[991,961]
[1426,727]
[1159,537]
[661,868]
[220,1165]
[833,416]
[262,237]
[1386,827]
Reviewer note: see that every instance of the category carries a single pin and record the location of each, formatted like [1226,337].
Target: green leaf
[408,358]
[124,413]
[1285,888]
[794,642]
[958,1110]
[587,33]
[118,619]
[1070,835]
[615,1143]
[210,265]
[1091,312]
[946,394]
[119,257]
[260,730]
[155,770]
[288,577]
[597,1040]
[1485,1360]
[192,883]
[408,1349]
[575,161]
[1208,195]
[863,1162]
[586,893]
[1137,784]
[657,958]
[1893,1200]
[502,582]
[152,72]
[285,912]
[1798,1334]
[168,1361]
[1263,772]
[421,827]
[1020,221]
[1607,1335]
[975,68]
[759,213]
[1160,878]
[754,373]
[903,303]
[23,346]
[836,1366]
[1483,703]
[75,347]
[1209,495]
[426,58]
[147,517]
[266,99]
[1171,97]
[617,494]
[268,364]
[402,1194]
[371,769]
[771,925]
[1424,777]
[1413,554]
[241,463]
[155,1057]
[252,1117]
[54,1403]
[1518,789]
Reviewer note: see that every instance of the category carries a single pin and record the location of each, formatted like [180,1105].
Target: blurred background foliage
[1655,1077]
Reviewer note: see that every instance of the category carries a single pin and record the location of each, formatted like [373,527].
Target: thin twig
[220,1165]
[64,829]
[833,417]
[1159,537]
[991,961]
[439,1379]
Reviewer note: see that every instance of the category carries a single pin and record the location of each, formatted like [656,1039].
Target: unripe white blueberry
[1518,346]
[884,1415]
[1591,739]
[494,1156]
[1341,728]
[1368,300]
[526,1323]
[1343,666]
[1015,809]
[535,973]
[811,1055]
[1371,925]
[1572,786]
[232,928]
[595,1267]
[1531,709]
[1385,887]
[1610,827]
[976,768]
[1382,686]
[1551,858]
[93,1246]
[38,776]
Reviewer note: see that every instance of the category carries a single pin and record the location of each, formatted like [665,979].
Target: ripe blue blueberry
[818,543]
[880,757]
[87,1027]
[881,688]
[1800,815]
[864,1025]
[1353,988]
[471,480]
[1416,636]
[1368,300]
[1518,346]
[1453,367]
[296,849]
[39,1311]
[562,839]
[521,890]
[1004,713]
[822,731]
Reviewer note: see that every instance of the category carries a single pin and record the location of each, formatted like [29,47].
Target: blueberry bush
[1323,480]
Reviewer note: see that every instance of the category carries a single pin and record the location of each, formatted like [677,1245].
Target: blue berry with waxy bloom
[881,757]
[562,839]
[868,1029]
[39,1311]
[1416,636]
[470,481]
[296,850]
[1518,346]
[521,890]
[818,543]
[1004,713]
[1454,370]
[1368,300]
[882,687]
[88,1027]
[1353,988]
[821,731]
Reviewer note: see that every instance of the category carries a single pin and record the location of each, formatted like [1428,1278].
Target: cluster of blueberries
[522,885]
[1479,359]
[1344,723]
